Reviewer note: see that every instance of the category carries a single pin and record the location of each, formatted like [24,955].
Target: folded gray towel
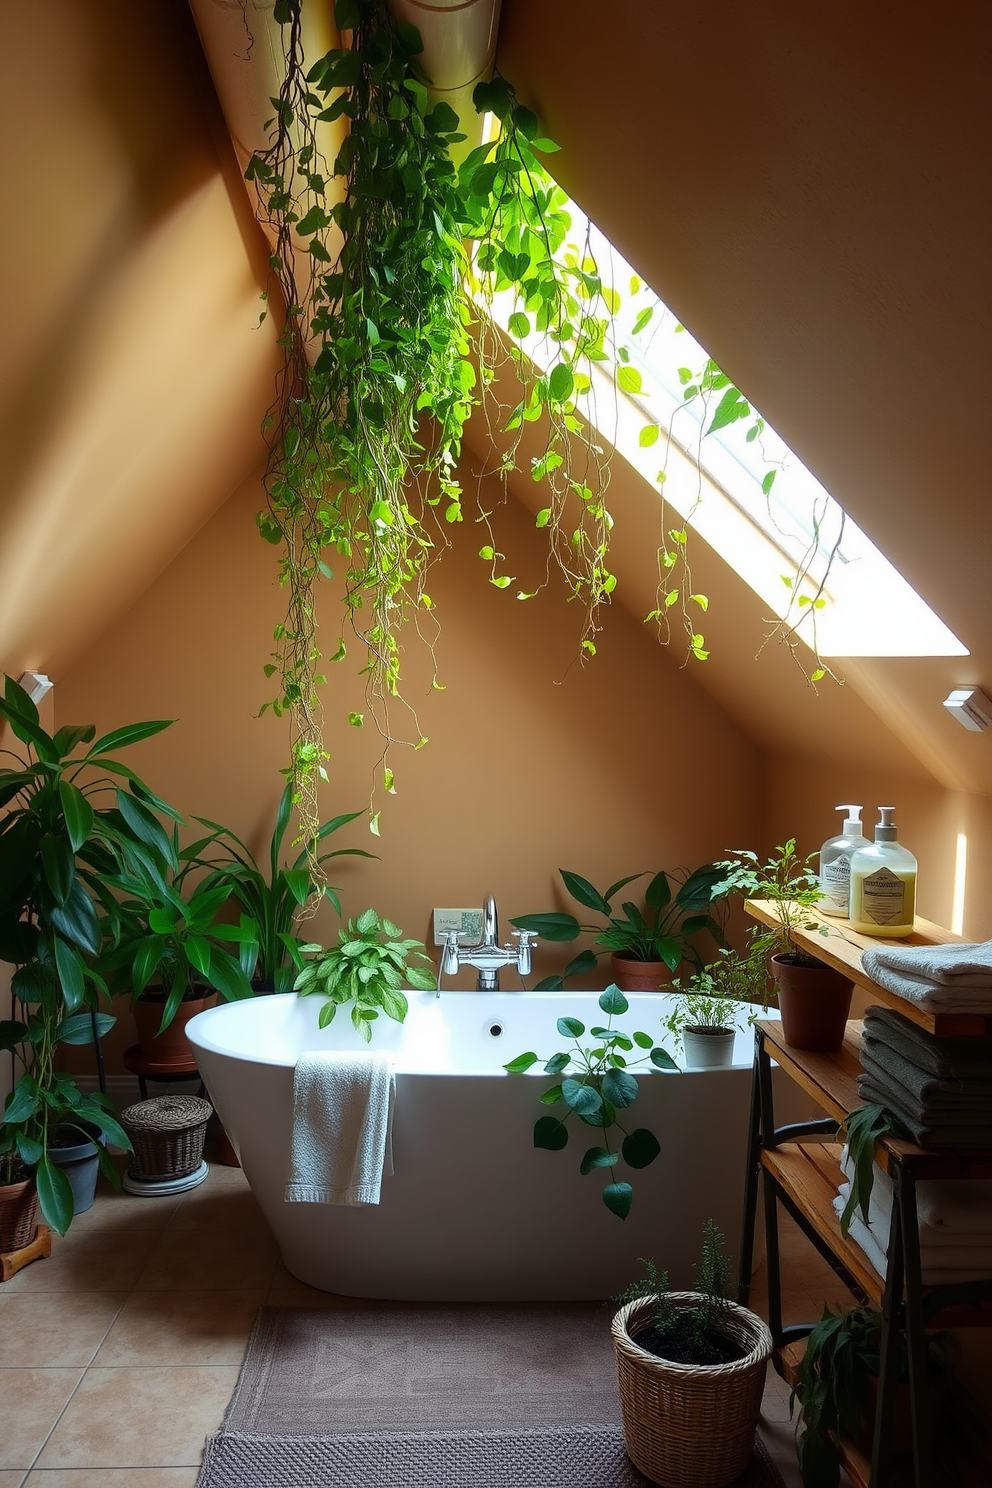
[944,978]
[965,1057]
[924,1084]
[926,1133]
[954,965]
[925,1095]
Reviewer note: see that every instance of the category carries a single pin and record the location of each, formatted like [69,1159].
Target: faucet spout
[488,979]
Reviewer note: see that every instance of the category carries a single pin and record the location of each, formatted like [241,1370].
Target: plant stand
[138,1063]
[13,1261]
[800,1171]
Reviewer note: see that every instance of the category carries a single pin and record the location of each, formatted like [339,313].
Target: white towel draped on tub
[342,1128]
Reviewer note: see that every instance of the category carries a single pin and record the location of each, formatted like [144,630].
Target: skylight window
[740,486]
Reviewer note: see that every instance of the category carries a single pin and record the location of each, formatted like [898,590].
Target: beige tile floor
[118,1354]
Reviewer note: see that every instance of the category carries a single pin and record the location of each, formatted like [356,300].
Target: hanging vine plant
[386,258]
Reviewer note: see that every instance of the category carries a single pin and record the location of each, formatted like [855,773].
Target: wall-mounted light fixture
[35,684]
[971,708]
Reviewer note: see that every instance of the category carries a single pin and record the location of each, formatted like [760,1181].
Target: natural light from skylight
[740,487]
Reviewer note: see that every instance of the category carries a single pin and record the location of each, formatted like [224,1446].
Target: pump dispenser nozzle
[885,831]
[852,820]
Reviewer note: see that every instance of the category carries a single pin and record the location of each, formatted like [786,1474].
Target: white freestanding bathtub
[474,1211]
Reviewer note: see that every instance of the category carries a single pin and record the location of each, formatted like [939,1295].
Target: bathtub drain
[494,1030]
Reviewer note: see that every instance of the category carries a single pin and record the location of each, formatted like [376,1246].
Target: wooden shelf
[831,1079]
[841,947]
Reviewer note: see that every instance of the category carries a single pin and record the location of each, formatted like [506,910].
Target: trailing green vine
[388,261]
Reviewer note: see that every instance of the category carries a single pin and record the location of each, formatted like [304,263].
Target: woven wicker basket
[167,1135]
[690,1426]
[18,1215]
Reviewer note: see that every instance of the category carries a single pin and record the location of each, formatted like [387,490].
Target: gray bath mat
[329,1371]
[559,1457]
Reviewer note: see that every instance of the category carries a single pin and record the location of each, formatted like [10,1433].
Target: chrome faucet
[488,957]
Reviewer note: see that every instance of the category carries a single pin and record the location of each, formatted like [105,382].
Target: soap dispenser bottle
[835,863]
[883,884]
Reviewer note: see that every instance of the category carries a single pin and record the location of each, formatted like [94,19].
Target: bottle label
[883,898]
[835,881]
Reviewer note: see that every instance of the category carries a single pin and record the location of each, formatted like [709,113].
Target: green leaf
[132,733]
[648,436]
[618,1198]
[58,865]
[629,379]
[78,1029]
[54,1195]
[640,1147]
[551,1096]
[550,1134]
[613,1001]
[730,408]
[561,383]
[549,926]
[643,1040]
[619,1088]
[557,1063]
[70,970]
[598,1157]
[662,1060]
[76,920]
[582,890]
[78,813]
[571,1028]
[583,1099]
[520,1064]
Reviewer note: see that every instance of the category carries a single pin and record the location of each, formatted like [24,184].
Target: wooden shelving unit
[801,1168]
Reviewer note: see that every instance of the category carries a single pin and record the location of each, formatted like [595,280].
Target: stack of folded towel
[940,1088]
[953,978]
[955,1226]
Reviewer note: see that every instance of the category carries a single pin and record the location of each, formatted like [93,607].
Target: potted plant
[703,1020]
[594,1083]
[269,902]
[837,1387]
[72,814]
[814,998]
[169,951]
[646,945]
[691,1369]
[368,968]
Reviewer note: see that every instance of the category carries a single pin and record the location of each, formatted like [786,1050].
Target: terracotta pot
[639,976]
[171,1048]
[814,1002]
[18,1215]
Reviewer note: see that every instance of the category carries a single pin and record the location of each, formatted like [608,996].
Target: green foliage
[367,968]
[788,882]
[704,1001]
[663,930]
[594,1083]
[270,902]
[711,1282]
[72,817]
[842,1353]
[862,1129]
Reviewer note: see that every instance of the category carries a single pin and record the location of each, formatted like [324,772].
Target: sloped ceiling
[802,187]
[134,375]
[807,188]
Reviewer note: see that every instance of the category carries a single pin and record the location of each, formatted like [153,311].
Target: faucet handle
[449,956]
[524,949]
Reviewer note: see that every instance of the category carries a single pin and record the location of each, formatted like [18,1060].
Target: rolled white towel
[947,1207]
[940,1273]
[342,1128]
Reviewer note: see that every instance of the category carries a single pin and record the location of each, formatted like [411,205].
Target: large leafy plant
[367,968]
[272,901]
[73,815]
[663,930]
[593,1083]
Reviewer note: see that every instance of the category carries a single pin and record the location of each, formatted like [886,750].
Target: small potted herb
[368,968]
[646,944]
[814,998]
[704,1019]
[691,1369]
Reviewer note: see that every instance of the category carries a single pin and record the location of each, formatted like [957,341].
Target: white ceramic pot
[708,1048]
